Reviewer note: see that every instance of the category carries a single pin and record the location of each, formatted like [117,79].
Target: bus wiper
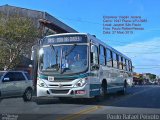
[70,50]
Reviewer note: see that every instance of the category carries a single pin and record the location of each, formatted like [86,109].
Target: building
[42,21]
[137,78]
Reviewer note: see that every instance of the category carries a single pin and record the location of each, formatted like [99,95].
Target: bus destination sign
[64,39]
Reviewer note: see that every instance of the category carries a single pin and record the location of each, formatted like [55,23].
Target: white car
[16,84]
[130,82]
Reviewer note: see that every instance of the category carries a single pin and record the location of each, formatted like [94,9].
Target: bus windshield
[65,59]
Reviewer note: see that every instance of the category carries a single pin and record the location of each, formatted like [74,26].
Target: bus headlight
[81,82]
[41,83]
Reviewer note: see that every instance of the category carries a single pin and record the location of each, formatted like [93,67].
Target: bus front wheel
[103,92]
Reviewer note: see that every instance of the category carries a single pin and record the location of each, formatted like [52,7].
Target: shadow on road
[138,97]
[89,101]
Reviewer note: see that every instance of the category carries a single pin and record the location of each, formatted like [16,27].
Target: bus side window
[109,58]
[94,55]
[102,56]
[130,66]
[114,60]
[127,66]
[117,58]
[122,63]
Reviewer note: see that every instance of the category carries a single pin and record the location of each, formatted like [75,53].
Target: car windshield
[66,59]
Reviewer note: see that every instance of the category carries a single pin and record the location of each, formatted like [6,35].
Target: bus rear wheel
[123,91]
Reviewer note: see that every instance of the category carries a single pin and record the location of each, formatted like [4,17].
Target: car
[130,82]
[16,84]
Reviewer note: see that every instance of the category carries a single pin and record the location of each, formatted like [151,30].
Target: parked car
[16,84]
[130,82]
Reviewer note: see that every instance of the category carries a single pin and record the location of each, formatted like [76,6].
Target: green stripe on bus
[95,86]
[68,77]
[94,89]
[94,93]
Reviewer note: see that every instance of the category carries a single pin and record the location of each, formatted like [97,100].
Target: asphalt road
[140,102]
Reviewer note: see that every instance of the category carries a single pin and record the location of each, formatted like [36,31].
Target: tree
[152,76]
[17,35]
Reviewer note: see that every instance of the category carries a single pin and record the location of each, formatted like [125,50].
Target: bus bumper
[77,92]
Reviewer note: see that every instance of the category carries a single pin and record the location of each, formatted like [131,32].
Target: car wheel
[27,96]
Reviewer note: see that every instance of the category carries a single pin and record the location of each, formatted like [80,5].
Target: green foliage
[151,76]
[141,78]
[17,35]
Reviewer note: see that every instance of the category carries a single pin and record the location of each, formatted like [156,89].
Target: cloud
[145,55]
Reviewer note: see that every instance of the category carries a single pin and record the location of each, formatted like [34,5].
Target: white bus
[78,65]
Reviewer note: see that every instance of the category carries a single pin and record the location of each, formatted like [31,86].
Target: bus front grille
[59,91]
[63,85]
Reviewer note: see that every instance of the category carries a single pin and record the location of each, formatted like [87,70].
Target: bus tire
[103,89]
[123,92]
[103,92]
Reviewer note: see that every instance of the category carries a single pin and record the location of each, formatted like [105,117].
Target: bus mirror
[41,51]
[92,48]
[34,52]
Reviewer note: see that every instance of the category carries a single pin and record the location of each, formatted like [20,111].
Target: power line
[142,46]
[148,65]
[130,44]
[87,21]
[142,53]
[80,20]
[149,68]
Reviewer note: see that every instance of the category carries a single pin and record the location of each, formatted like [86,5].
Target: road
[139,100]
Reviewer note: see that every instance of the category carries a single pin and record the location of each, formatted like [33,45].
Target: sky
[87,16]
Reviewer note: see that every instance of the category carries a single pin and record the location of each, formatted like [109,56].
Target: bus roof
[93,39]
[67,34]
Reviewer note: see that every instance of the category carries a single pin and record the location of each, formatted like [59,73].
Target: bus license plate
[50,78]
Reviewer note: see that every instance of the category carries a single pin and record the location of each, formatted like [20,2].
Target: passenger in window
[77,57]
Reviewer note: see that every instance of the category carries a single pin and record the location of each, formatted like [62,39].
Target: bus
[78,65]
